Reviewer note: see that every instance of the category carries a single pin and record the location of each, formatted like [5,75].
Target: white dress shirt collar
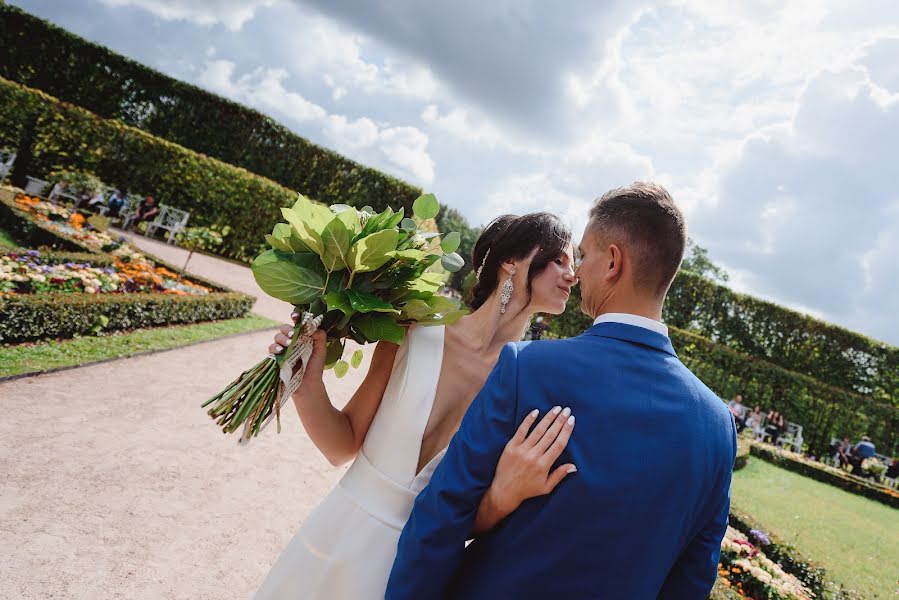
[635,320]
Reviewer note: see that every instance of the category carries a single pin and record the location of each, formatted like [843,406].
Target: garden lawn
[854,538]
[18,359]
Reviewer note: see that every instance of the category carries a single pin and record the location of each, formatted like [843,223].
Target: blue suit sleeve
[432,544]
[696,569]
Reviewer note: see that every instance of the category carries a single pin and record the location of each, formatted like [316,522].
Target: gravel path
[115,483]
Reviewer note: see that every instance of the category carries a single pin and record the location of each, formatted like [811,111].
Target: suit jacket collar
[633,334]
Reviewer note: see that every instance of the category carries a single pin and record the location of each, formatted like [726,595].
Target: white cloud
[809,211]
[403,148]
[233,14]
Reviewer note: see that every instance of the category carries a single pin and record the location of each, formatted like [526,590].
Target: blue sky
[774,125]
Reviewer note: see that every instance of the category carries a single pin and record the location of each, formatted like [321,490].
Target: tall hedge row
[823,409]
[796,342]
[40,55]
[214,192]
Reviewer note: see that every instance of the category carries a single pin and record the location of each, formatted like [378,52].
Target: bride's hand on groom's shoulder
[525,467]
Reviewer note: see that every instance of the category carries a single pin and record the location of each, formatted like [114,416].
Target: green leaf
[284,279]
[411,255]
[373,251]
[448,318]
[442,304]
[336,245]
[356,360]
[368,209]
[339,301]
[335,352]
[451,242]
[452,262]
[278,244]
[379,326]
[350,218]
[366,303]
[313,214]
[394,220]
[339,208]
[426,207]
[308,236]
[341,368]
[416,310]
[408,225]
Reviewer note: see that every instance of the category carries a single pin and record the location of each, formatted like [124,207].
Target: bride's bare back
[462,375]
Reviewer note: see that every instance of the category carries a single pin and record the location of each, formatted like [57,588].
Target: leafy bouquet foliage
[361,275]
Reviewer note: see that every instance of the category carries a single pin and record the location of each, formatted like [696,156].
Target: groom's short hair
[643,218]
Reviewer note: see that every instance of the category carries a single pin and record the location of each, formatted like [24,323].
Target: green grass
[854,538]
[30,358]
[6,240]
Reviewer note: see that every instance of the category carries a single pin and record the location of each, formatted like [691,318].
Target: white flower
[90,290]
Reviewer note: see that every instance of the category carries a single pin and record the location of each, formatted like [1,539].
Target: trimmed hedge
[791,560]
[31,317]
[743,449]
[822,410]
[827,474]
[764,330]
[215,193]
[38,54]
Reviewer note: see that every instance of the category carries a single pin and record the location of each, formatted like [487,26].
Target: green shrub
[38,54]
[764,330]
[25,318]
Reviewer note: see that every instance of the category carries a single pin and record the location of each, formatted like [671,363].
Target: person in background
[116,202]
[774,426]
[738,410]
[864,449]
[146,210]
[844,449]
[57,191]
[754,419]
[893,470]
[537,328]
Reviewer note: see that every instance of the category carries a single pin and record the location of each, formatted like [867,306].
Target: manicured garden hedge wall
[40,55]
[764,330]
[214,192]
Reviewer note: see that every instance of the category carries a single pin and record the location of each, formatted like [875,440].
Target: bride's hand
[316,366]
[523,470]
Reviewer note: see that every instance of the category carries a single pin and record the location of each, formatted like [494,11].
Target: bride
[397,425]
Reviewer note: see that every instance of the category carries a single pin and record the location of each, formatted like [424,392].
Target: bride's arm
[524,468]
[339,433]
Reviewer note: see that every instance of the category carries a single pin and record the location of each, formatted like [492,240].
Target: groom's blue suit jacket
[642,517]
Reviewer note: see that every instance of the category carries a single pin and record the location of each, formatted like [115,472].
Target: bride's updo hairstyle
[509,238]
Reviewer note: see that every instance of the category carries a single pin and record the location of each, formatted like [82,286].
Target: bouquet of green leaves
[353,273]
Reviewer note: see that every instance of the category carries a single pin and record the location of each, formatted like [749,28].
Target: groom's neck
[633,305]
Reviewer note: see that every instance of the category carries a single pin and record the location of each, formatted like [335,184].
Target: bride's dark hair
[514,238]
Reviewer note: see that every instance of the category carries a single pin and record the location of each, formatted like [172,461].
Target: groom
[644,515]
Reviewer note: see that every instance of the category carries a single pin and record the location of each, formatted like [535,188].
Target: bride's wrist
[501,501]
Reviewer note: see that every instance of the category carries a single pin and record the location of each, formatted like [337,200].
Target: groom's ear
[614,265]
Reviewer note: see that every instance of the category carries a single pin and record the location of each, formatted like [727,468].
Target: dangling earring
[506,293]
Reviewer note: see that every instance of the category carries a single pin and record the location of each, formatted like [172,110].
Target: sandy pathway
[115,484]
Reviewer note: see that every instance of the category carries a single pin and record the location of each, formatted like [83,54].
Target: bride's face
[552,287]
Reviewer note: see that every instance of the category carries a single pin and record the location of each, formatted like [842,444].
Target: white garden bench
[791,438]
[7,158]
[171,219]
[129,209]
[35,186]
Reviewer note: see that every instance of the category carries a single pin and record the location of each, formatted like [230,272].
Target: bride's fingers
[282,339]
[286,330]
[525,426]
[555,450]
[275,349]
[550,436]
[543,425]
[556,477]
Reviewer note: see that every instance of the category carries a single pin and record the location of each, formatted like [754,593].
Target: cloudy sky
[775,127]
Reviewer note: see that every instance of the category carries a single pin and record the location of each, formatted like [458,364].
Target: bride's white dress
[345,548]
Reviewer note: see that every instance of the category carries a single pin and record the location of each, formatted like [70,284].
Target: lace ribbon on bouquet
[297,353]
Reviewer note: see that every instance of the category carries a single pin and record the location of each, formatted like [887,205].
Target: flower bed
[826,474]
[745,569]
[97,283]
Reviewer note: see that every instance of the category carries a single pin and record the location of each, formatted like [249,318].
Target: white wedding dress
[345,548]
